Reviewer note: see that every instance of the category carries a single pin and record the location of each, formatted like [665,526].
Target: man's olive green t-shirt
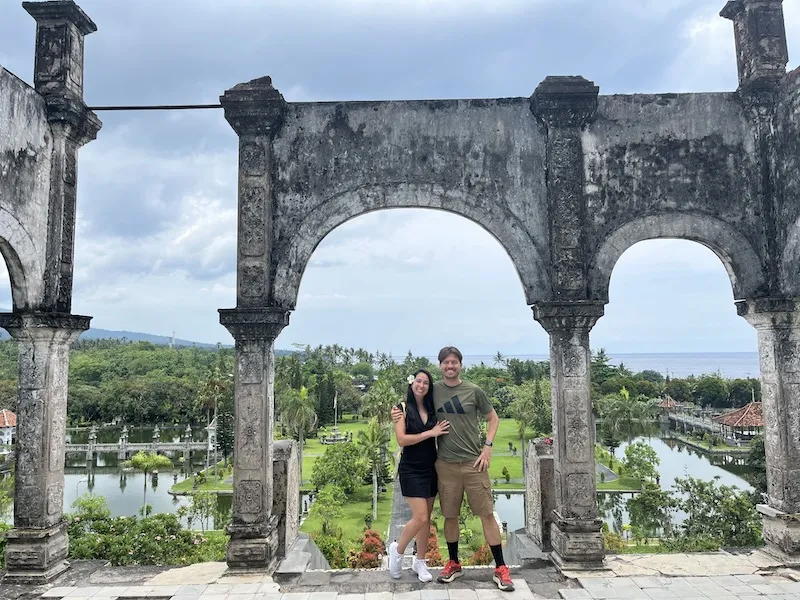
[460,405]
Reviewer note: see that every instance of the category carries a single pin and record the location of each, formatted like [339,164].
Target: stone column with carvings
[58,76]
[254,530]
[566,105]
[575,534]
[777,321]
[37,546]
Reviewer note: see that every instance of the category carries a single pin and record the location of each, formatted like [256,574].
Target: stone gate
[565,179]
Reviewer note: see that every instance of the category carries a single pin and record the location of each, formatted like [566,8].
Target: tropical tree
[641,461]
[299,418]
[651,511]
[374,443]
[147,462]
[621,413]
[499,359]
[342,465]
[378,402]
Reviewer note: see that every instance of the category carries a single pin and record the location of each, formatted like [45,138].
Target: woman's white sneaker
[421,569]
[395,561]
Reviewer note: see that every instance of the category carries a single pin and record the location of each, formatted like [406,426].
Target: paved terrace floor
[750,575]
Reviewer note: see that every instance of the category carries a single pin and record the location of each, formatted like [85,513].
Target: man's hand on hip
[484,460]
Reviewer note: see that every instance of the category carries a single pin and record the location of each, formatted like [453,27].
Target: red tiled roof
[747,416]
[667,402]
[7,418]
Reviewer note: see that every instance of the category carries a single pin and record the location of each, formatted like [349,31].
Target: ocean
[729,365]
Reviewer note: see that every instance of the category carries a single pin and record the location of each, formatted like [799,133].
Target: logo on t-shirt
[452,406]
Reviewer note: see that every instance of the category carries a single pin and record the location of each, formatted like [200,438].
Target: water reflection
[677,460]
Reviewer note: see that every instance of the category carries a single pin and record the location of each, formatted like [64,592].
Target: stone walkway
[729,587]
[750,575]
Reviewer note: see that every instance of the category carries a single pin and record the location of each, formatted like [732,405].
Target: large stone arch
[22,260]
[741,261]
[296,249]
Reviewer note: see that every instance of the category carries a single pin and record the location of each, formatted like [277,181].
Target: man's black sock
[497,552]
[452,549]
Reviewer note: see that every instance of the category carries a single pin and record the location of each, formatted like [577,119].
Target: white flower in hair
[410,379]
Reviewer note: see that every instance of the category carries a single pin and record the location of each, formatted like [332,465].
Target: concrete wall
[25,160]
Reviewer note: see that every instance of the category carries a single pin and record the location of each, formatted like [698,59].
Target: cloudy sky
[157,195]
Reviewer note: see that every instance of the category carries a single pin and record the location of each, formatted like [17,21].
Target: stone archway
[290,263]
[744,266]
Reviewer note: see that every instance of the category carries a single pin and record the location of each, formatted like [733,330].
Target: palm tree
[299,417]
[147,462]
[374,443]
[499,359]
[621,413]
[378,402]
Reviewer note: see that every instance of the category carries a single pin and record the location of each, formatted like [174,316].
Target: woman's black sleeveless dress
[417,470]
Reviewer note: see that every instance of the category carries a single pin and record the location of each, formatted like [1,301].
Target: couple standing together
[437,427]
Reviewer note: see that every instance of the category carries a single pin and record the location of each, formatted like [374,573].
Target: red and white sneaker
[503,579]
[451,571]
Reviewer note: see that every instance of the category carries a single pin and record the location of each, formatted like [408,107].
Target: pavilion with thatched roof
[742,423]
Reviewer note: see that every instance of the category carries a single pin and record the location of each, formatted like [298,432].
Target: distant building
[8,429]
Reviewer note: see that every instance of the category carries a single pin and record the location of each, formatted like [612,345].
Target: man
[463,463]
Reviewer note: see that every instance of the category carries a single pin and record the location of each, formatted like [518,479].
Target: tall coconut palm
[299,417]
[374,443]
[147,462]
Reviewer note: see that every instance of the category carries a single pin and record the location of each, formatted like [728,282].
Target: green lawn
[623,484]
[187,485]
[354,511]
[701,445]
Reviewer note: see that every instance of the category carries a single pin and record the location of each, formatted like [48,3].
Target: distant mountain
[134,336]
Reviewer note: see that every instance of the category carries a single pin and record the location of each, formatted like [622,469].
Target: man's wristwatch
[487,444]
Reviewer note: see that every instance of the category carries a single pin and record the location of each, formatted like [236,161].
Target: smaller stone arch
[744,267]
[22,260]
[293,255]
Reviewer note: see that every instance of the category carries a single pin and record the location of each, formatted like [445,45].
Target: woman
[416,432]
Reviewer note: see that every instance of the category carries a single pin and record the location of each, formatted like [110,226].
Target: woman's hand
[441,428]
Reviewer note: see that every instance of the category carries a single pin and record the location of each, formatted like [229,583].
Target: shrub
[506,474]
[432,554]
[371,551]
[332,549]
[613,542]
[602,476]
[700,543]
[483,556]
[154,540]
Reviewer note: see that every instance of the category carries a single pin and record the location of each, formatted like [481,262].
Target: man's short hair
[447,351]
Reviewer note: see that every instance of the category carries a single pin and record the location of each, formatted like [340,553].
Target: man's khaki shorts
[457,478]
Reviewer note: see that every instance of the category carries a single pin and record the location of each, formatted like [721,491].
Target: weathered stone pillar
[37,546]
[254,530]
[286,495]
[58,77]
[255,110]
[761,49]
[540,498]
[566,105]
[576,530]
[777,322]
